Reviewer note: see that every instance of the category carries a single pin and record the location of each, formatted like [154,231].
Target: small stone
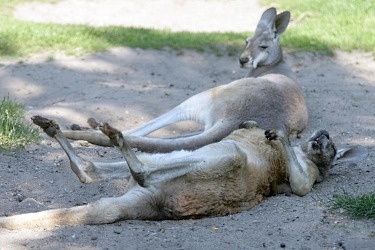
[101,153]
[20,197]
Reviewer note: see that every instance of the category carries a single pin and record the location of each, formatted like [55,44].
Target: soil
[127,87]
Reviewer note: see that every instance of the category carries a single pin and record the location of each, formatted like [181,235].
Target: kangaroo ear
[350,155]
[282,21]
[268,19]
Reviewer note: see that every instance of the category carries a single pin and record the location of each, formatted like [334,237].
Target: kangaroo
[226,177]
[269,95]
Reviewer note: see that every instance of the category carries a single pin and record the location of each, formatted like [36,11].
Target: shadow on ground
[130,86]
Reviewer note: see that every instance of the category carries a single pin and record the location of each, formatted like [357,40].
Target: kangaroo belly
[194,197]
[235,179]
[224,190]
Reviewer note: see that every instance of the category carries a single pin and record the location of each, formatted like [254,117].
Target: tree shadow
[120,86]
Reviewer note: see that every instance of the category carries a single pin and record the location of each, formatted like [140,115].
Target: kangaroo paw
[275,134]
[271,135]
[50,127]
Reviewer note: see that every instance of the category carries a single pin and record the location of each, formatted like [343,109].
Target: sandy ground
[130,86]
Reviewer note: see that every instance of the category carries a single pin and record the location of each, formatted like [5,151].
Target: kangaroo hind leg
[87,171]
[173,116]
[133,205]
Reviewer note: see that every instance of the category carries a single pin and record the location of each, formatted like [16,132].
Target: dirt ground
[127,87]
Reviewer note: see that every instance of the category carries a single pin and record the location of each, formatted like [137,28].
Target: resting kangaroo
[221,178]
[270,95]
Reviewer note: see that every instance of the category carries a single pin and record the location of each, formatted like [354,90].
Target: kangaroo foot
[112,133]
[85,170]
[93,123]
[135,166]
[50,127]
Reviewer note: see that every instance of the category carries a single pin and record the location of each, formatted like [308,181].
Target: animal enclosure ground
[127,87]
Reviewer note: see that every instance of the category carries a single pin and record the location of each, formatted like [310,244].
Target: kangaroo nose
[244,60]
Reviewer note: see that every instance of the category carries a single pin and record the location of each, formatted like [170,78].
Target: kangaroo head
[263,48]
[321,150]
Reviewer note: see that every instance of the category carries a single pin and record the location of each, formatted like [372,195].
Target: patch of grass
[321,24]
[14,132]
[19,38]
[357,207]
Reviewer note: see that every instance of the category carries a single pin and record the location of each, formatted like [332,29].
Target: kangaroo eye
[248,40]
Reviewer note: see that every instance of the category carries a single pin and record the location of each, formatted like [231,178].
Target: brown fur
[227,177]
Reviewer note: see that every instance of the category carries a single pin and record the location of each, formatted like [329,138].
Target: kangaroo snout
[244,60]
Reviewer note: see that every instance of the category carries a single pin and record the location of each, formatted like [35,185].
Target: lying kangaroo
[270,95]
[221,178]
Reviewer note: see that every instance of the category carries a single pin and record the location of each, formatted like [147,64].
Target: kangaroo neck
[278,68]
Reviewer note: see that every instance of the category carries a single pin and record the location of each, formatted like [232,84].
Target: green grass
[20,38]
[322,24]
[14,132]
[357,207]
